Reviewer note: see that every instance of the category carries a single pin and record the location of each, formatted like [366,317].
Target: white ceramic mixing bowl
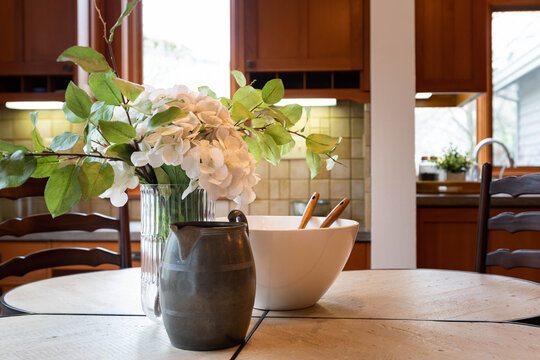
[294,268]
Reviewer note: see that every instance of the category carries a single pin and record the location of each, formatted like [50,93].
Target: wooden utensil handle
[310,207]
[334,214]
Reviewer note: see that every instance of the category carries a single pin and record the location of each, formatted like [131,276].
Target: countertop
[471,200]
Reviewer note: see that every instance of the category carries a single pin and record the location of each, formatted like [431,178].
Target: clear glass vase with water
[162,205]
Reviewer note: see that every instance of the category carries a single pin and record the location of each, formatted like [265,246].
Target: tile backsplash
[279,186]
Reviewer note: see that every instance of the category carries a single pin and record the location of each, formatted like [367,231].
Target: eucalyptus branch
[109,45]
[73,155]
[297,133]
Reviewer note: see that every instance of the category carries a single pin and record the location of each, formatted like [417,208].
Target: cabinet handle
[250,64]
[136,256]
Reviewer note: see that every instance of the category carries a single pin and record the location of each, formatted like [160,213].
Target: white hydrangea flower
[124,178]
[204,143]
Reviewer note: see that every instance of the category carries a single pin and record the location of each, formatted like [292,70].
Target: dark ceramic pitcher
[207,284]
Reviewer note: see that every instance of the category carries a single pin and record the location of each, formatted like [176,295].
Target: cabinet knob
[250,64]
[66,67]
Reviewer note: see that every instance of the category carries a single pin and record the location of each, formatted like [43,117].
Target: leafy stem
[73,155]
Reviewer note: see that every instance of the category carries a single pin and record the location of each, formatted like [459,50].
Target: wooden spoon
[334,214]
[310,207]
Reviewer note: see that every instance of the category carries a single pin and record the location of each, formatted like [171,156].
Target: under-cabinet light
[34,105]
[423,95]
[308,102]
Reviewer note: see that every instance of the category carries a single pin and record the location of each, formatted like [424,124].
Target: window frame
[484,128]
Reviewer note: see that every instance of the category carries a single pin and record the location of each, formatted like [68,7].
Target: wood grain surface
[425,294]
[81,337]
[390,339]
[114,292]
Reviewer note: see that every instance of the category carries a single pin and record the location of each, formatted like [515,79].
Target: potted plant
[454,164]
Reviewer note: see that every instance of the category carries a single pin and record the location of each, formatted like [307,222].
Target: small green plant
[453,162]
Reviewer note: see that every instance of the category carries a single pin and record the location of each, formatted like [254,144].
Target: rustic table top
[372,294]
[398,314]
[83,337]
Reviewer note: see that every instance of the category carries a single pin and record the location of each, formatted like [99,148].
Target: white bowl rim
[354,223]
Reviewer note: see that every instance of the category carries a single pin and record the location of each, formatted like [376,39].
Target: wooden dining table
[435,314]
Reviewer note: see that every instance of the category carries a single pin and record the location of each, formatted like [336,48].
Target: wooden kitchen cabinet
[451,45]
[446,239]
[360,258]
[32,35]
[312,45]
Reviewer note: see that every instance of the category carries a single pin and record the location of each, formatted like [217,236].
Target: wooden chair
[524,221]
[41,223]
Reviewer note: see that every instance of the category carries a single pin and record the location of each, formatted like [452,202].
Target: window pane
[438,128]
[516,90]
[187,42]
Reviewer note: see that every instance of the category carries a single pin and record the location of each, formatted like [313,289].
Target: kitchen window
[515,42]
[188,43]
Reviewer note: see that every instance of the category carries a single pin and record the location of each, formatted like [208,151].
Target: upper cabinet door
[303,35]
[451,45]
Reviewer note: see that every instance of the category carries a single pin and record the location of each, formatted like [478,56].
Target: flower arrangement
[453,162]
[136,134]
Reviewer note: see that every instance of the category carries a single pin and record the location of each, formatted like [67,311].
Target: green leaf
[64,141]
[129,8]
[330,162]
[161,176]
[278,116]
[121,151]
[45,166]
[87,58]
[240,112]
[101,112]
[253,147]
[209,91]
[117,131]
[176,175]
[37,140]
[166,117]
[16,169]
[94,178]
[104,89]
[239,77]
[286,148]
[247,96]
[273,91]
[130,90]
[258,122]
[322,144]
[63,190]
[70,116]
[279,133]
[225,102]
[293,112]
[78,101]
[6,147]
[269,149]
[313,162]
[144,106]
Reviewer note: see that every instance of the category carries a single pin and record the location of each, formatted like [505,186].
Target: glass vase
[162,205]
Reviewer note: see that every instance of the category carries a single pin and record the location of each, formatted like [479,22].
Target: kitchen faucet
[474,172]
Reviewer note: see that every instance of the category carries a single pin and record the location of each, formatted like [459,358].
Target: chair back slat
[517,185]
[512,259]
[42,223]
[524,221]
[32,187]
[513,223]
[21,265]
